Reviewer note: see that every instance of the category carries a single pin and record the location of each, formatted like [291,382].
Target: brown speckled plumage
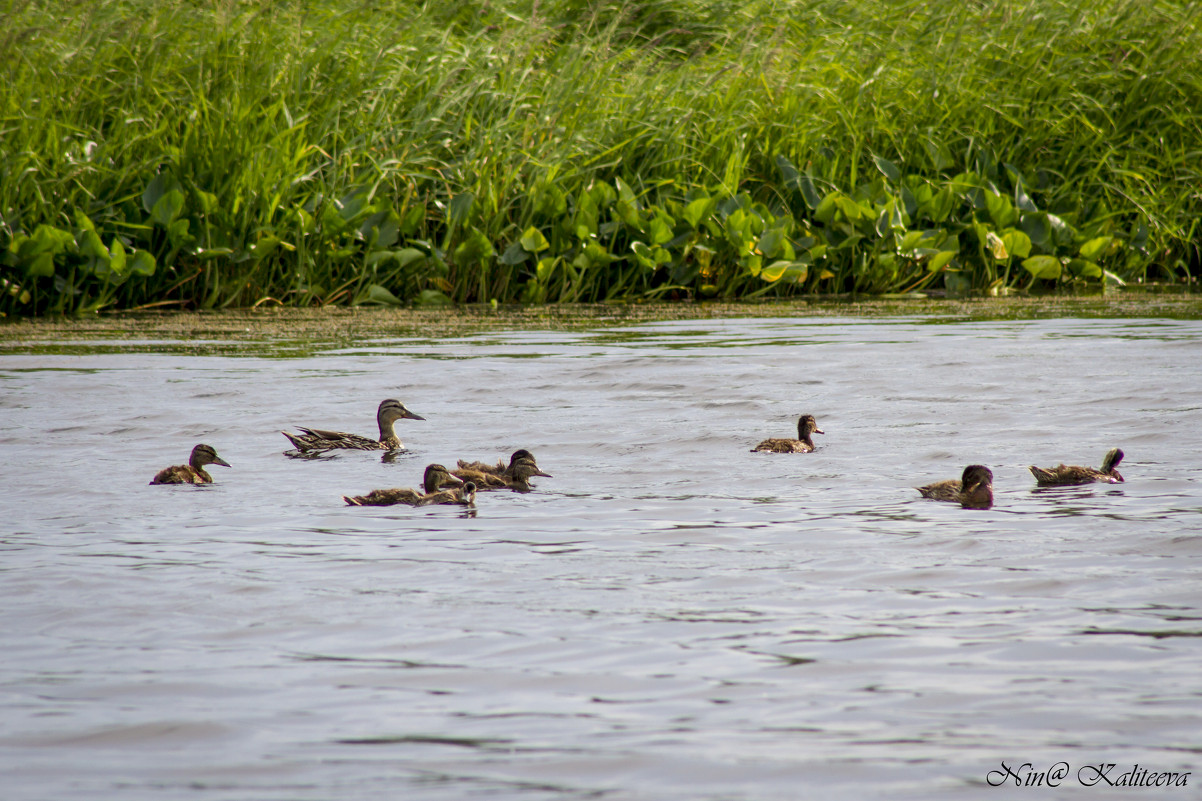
[435,476]
[194,471]
[1066,475]
[974,490]
[806,425]
[516,477]
[312,440]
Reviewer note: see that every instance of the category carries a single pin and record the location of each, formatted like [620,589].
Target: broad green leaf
[117,260]
[1043,266]
[1018,244]
[143,263]
[474,249]
[154,191]
[545,267]
[887,168]
[794,271]
[1000,209]
[1094,248]
[788,173]
[827,208]
[1038,229]
[809,192]
[167,208]
[379,294]
[407,256]
[432,297]
[660,229]
[91,245]
[41,266]
[514,254]
[941,260]
[698,210]
[1084,268]
[533,240]
[941,204]
[851,209]
[910,241]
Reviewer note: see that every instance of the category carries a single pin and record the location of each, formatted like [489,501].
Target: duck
[435,476]
[464,495]
[316,439]
[517,476]
[500,468]
[806,425]
[1063,475]
[974,490]
[194,471]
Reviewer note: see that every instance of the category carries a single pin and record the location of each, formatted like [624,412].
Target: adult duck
[1063,475]
[806,425]
[194,471]
[312,440]
[974,490]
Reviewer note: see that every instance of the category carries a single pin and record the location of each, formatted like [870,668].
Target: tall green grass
[168,152]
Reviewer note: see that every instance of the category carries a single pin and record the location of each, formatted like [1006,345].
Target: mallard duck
[516,477]
[435,476]
[500,468]
[806,425]
[974,490]
[464,496]
[391,410]
[1065,474]
[194,471]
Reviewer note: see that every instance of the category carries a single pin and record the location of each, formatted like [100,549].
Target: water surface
[670,617]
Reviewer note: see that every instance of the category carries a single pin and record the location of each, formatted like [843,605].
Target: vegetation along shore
[169,154]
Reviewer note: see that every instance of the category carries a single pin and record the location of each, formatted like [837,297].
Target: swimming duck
[464,496]
[1064,474]
[435,476]
[974,490]
[391,410]
[194,471]
[806,425]
[500,468]
[516,477]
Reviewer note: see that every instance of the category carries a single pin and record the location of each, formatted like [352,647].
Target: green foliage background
[201,154]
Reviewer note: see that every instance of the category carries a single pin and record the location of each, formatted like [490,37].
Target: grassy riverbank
[164,153]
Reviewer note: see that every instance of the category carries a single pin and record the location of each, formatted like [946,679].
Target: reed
[163,152]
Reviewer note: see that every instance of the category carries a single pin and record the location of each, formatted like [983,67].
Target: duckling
[464,496]
[435,476]
[1064,475]
[500,468]
[974,490]
[806,425]
[391,410]
[194,471]
[517,478]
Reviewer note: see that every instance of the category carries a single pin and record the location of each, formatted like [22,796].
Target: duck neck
[388,433]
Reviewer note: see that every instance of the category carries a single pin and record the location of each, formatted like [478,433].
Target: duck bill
[220,461]
[541,473]
[819,431]
[411,416]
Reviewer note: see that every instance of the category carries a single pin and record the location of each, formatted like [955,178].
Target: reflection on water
[670,617]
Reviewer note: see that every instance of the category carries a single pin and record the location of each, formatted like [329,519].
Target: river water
[669,617]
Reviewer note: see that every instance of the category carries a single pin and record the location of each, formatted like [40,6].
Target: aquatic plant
[556,151]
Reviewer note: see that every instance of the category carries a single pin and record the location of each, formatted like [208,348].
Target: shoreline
[341,324]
